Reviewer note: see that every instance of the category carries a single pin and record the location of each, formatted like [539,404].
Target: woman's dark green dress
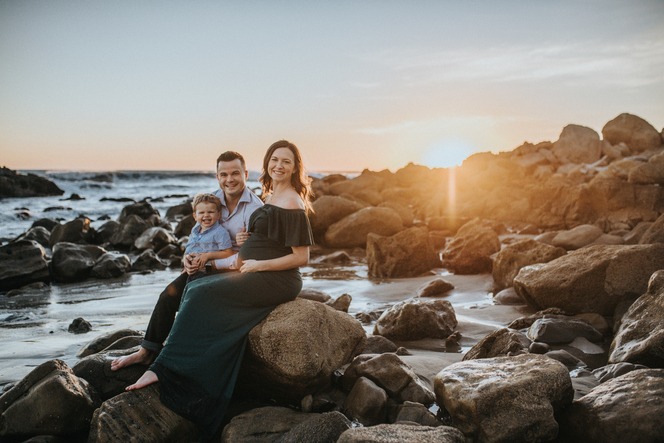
[198,367]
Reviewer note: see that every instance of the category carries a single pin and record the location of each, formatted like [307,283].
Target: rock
[508,262]
[260,425]
[80,326]
[562,330]
[577,144]
[417,319]
[49,400]
[377,344]
[341,303]
[438,239]
[508,297]
[577,238]
[329,209]
[449,224]
[499,343]
[96,370]
[155,239]
[624,409]
[386,433]
[526,322]
[592,279]
[360,184]
[314,294]
[110,265]
[73,262]
[103,341]
[435,287]
[366,403]
[390,373]
[352,231]
[178,212]
[637,133]
[649,173]
[296,348]
[505,399]
[15,185]
[640,339]
[608,372]
[654,233]
[185,226]
[405,254]
[453,340]
[564,357]
[21,263]
[74,231]
[546,237]
[416,413]
[170,251]
[148,261]
[404,212]
[38,233]
[130,229]
[142,209]
[596,321]
[38,288]
[608,239]
[323,428]
[635,235]
[139,416]
[47,223]
[470,250]
[106,232]
[538,348]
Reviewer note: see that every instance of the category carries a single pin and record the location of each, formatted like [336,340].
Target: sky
[165,85]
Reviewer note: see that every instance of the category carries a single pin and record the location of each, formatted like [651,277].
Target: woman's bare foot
[140,357]
[146,379]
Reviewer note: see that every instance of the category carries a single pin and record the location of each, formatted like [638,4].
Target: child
[208,239]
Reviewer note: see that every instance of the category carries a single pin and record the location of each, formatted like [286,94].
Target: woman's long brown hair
[300,181]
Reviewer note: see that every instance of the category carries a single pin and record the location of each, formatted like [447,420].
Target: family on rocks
[572,228]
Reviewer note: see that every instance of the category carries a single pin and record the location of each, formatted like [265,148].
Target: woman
[198,367]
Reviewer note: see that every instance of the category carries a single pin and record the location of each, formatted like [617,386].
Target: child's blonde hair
[206,198]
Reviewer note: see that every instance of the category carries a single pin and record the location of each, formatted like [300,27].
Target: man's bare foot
[140,357]
[146,379]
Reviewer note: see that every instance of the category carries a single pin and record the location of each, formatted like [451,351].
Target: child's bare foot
[146,379]
[140,357]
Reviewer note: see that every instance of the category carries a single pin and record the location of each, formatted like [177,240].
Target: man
[238,203]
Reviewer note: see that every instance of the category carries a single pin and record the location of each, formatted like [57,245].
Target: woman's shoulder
[288,202]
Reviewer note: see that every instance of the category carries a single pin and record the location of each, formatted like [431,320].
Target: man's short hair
[229,156]
[206,198]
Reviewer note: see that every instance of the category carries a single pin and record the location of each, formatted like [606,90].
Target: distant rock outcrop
[13,184]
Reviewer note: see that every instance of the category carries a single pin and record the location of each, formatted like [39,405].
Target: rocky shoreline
[574,229]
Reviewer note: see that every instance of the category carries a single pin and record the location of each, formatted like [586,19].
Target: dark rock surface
[21,263]
[417,319]
[13,184]
[408,253]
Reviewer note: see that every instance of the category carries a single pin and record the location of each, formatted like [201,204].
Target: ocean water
[162,189]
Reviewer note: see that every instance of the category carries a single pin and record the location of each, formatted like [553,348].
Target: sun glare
[447,153]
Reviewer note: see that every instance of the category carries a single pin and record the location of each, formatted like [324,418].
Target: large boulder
[73,231]
[505,399]
[37,233]
[408,253]
[417,319]
[178,212]
[13,184]
[49,400]
[185,226]
[366,403]
[592,279]
[21,263]
[508,262]
[110,265]
[73,262]
[103,341]
[296,348]
[362,183]
[654,233]
[154,238]
[328,210]
[148,261]
[649,173]
[106,231]
[634,131]
[562,330]
[387,433]
[319,428]
[130,229]
[352,231]
[139,416]
[471,249]
[640,338]
[626,409]
[96,370]
[263,425]
[577,144]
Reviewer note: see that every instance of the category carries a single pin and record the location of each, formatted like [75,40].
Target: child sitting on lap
[208,240]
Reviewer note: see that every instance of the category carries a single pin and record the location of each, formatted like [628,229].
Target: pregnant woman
[199,364]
